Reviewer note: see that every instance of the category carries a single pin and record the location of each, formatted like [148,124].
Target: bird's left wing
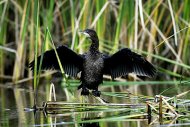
[71,62]
[125,61]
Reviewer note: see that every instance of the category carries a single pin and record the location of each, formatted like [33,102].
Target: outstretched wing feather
[71,62]
[125,61]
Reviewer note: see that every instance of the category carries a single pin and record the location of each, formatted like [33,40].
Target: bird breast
[93,68]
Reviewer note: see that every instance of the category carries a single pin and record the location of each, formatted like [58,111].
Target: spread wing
[71,62]
[125,61]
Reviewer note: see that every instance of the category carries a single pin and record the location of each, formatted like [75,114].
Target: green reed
[146,27]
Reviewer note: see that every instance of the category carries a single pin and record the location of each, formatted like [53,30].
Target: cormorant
[94,64]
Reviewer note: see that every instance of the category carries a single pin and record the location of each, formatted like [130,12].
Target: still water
[16,102]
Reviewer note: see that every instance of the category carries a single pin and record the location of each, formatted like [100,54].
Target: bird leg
[84,91]
[96,93]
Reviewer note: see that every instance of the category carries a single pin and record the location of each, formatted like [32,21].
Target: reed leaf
[18,70]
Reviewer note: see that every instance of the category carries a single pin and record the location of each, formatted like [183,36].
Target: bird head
[91,34]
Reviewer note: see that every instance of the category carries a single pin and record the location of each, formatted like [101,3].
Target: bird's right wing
[125,61]
[71,62]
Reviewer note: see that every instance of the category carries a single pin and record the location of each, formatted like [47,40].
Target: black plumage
[71,62]
[94,64]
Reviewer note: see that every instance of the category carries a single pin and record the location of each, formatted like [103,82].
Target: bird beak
[85,33]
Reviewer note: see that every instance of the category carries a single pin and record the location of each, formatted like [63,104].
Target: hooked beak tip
[84,32]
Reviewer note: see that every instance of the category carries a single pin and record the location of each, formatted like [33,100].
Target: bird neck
[95,45]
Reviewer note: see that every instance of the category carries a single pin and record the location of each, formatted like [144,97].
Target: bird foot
[96,93]
[85,91]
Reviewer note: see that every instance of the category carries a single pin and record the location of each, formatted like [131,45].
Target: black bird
[94,64]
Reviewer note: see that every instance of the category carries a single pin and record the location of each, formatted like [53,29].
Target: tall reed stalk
[21,45]
[153,26]
[3,31]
